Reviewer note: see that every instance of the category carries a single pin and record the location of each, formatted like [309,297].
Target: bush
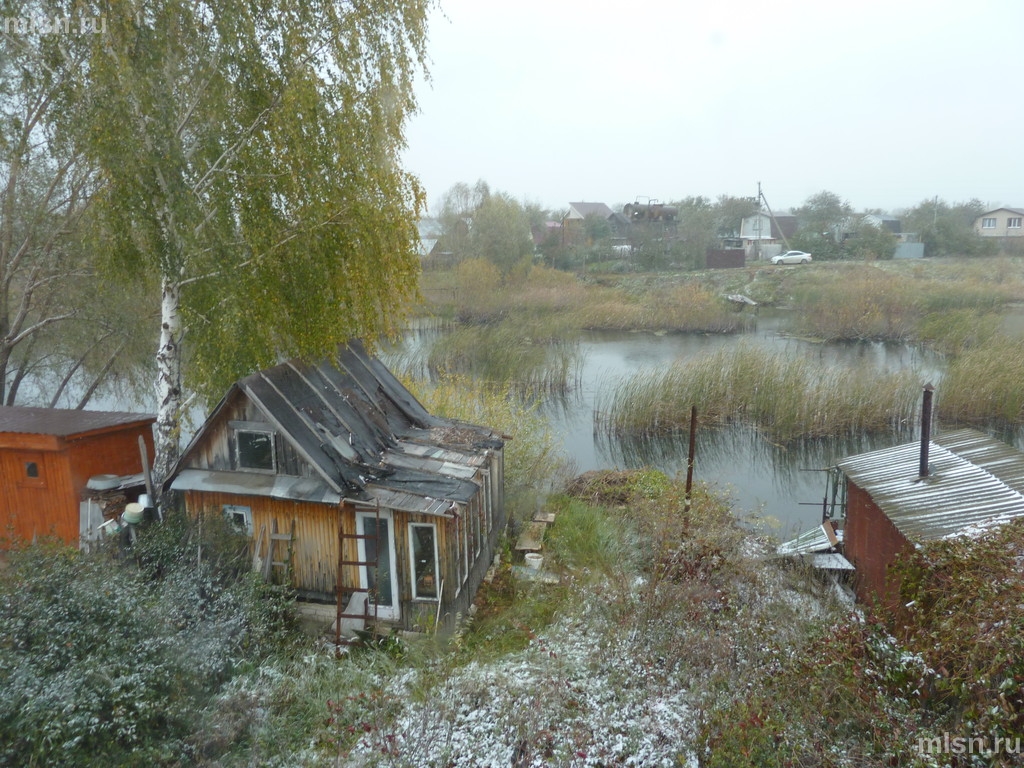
[104,663]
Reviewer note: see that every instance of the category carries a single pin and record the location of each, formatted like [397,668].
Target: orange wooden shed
[47,456]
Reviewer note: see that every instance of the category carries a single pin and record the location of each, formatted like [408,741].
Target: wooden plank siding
[217,450]
[465,545]
[46,506]
[49,504]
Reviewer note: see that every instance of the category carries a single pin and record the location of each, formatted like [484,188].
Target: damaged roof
[363,433]
[975,482]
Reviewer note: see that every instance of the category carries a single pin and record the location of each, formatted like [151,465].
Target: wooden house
[355,487]
[47,456]
[972,482]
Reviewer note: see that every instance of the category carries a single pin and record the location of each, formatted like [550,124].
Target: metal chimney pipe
[926,428]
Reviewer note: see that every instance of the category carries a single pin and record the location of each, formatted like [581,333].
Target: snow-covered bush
[104,663]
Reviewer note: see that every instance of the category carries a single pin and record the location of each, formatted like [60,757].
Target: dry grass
[873,303]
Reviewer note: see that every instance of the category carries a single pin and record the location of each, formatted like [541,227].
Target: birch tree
[249,163]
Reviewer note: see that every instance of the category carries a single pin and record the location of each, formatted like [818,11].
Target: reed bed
[985,384]
[479,293]
[788,398]
[529,356]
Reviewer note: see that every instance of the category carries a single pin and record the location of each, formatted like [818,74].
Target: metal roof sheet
[64,422]
[820,539]
[256,484]
[306,489]
[975,482]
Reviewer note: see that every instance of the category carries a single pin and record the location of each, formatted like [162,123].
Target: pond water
[782,484]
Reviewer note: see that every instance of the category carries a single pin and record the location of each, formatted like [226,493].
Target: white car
[792,257]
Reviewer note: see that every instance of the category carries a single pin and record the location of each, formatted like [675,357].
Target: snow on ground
[571,699]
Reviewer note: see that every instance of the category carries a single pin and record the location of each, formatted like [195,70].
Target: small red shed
[974,482]
[47,456]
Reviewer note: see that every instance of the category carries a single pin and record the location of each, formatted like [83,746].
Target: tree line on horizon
[476,221]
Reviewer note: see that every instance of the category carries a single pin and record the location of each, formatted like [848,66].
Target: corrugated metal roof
[64,422]
[975,483]
[820,539]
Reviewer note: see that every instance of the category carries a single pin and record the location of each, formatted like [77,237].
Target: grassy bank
[986,383]
[788,397]
[477,293]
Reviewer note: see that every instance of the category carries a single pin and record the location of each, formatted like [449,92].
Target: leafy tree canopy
[947,229]
[248,157]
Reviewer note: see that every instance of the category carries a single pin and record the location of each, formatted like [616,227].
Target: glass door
[382,580]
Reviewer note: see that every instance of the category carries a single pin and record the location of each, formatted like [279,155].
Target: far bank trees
[479,223]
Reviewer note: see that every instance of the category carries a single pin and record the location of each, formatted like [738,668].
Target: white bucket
[534,561]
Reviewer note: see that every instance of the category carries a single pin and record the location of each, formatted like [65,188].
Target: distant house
[47,456]
[974,482]
[762,236]
[349,488]
[573,229]
[547,233]
[430,232]
[1002,222]
[882,221]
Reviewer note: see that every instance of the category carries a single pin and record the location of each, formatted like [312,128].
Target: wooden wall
[465,543]
[49,505]
[216,451]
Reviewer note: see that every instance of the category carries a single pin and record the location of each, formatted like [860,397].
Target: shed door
[382,580]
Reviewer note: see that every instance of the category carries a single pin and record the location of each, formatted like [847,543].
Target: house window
[31,471]
[239,517]
[255,450]
[423,550]
[1013,222]
[988,223]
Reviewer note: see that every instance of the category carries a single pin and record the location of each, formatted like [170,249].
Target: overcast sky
[884,102]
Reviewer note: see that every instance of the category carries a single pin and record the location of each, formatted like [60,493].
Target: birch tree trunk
[167,430]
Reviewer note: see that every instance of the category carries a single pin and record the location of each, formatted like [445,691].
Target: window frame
[1014,222]
[272,469]
[229,510]
[25,480]
[988,222]
[412,563]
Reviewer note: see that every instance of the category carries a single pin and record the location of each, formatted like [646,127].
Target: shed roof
[364,435]
[975,482]
[64,422]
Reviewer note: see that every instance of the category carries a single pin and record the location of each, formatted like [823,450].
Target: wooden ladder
[266,564]
[351,614]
